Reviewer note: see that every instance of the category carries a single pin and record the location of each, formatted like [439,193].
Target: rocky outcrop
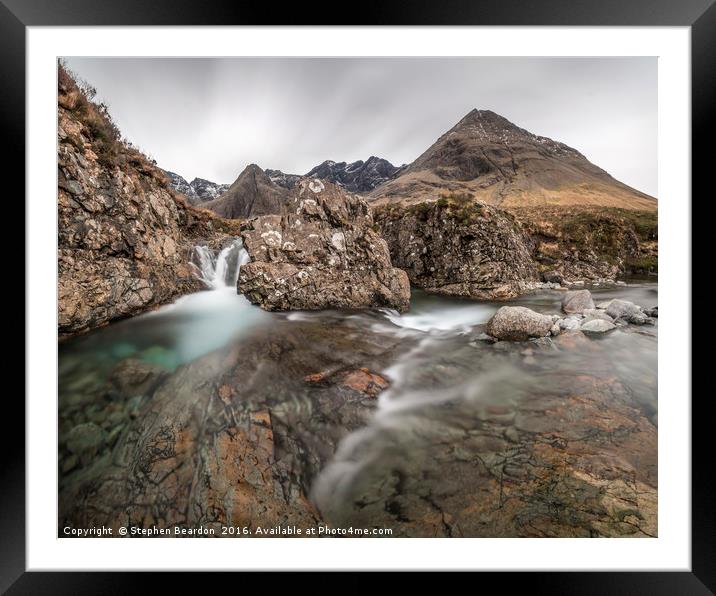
[517,323]
[287,181]
[252,194]
[124,237]
[321,252]
[585,243]
[458,247]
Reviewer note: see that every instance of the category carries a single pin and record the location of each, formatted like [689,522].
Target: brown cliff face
[124,238]
[501,164]
[253,193]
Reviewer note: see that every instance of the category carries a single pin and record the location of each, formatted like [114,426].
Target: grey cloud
[210,117]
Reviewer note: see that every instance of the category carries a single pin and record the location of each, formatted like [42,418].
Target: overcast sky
[209,118]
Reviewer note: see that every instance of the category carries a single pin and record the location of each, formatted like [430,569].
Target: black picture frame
[700,15]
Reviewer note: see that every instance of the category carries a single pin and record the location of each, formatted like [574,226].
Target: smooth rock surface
[597,326]
[626,311]
[517,323]
[576,301]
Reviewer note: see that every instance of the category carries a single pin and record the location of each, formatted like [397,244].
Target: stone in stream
[597,326]
[626,311]
[569,323]
[517,323]
[576,301]
[321,252]
[591,314]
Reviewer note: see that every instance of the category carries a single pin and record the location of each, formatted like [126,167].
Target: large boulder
[320,252]
[517,323]
[577,301]
[459,247]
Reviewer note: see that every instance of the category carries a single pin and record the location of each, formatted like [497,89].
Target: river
[553,437]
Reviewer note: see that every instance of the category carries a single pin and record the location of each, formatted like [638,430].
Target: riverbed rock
[459,247]
[321,252]
[626,311]
[597,326]
[595,313]
[576,301]
[517,323]
[85,440]
[569,323]
[124,236]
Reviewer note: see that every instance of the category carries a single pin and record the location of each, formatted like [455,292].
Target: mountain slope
[252,193]
[359,176]
[497,162]
[198,190]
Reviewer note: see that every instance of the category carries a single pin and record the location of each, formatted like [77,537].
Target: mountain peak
[494,160]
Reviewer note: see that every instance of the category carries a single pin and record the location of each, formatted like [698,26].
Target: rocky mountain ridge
[198,190]
[252,193]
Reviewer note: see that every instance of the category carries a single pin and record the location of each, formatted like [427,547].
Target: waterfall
[217,271]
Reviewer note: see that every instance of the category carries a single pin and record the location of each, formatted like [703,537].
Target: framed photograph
[369,296]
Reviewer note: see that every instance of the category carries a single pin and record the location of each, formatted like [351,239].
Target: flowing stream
[444,380]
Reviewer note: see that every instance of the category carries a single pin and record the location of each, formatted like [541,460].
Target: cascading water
[221,270]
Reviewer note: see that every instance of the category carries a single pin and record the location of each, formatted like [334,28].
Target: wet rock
[626,311]
[597,326]
[594,313]
[132,377]
[577,301]
[603,305]
[320,253]
[517,323]
[85,441]
[652,312]
[569,323]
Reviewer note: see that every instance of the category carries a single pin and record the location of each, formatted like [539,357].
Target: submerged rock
[577,301]
[594,313]
[321,252]
[517,323]
[597,326]
[85,440]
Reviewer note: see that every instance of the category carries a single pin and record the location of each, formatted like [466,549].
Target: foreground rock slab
[321,252]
